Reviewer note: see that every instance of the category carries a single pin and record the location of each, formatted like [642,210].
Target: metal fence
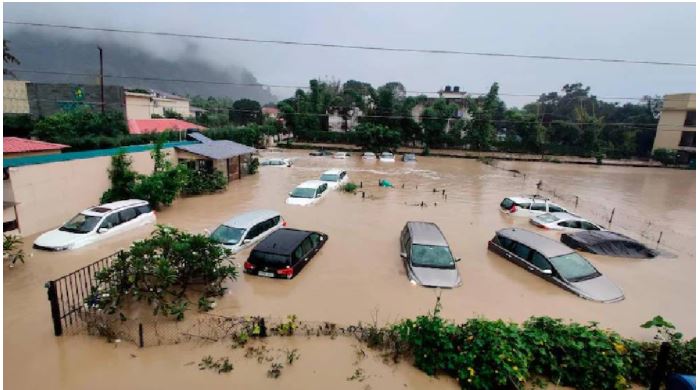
[68,293]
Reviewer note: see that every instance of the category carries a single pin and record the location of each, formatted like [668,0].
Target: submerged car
[427,256]
[408,157]
[563,221]
[556,263]
[334,178]
[96,224]
[284,253]
[320,153]
[386,157]
[369,156]
[246,229]
[308,193]
[528,206]
[341,155]
[608,243]
[276,162]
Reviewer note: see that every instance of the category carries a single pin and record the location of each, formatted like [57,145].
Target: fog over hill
[71,54]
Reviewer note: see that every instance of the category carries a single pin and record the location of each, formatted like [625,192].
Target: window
[588,226]
[555,209]
[298,254]
[573,267]
[307,246]
[540,261]
[205,166]
[689,119]
[127,215]
[506,243]
[254,231]
[433,256]
[81,224]
[111,221]
[144,209]
[227,235]
[521,251]
[688,138]
[539,207]
[276,220]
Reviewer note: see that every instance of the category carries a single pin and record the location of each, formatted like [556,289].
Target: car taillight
[248,266]
[513,209]
[288,272]
[284,223]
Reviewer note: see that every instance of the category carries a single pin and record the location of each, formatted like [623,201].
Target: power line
[358,47]
[215,82]
[295,113]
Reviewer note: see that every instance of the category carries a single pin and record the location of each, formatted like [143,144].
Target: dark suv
[284,253]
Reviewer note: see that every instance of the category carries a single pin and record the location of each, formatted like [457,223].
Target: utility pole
[102,83]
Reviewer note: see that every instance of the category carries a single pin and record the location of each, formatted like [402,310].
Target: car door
[538,208]
[521,254]
[111,222]
[128,217]
[541,264]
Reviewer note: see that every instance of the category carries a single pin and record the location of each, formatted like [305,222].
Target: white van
[96,224]
[246,229]
[308,193]
[335,178]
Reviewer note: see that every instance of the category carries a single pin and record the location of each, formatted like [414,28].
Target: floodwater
[358,275]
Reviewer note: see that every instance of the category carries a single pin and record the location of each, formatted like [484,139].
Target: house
[230,158]
[45,99]
[144,103]
[13,147]
[676,127]
[144,126]
[271,112]
[451,94]
[196,112]
[338,122]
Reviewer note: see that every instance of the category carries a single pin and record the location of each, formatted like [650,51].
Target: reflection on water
[359,270]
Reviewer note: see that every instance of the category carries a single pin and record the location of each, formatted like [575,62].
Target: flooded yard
[358,275]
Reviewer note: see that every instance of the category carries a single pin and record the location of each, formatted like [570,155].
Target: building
[15,99]
[676,127]
[230,158]
[271,112]
[145,126]
[451,95]
[13,147]
[339,123]
[144,104]
[46,99]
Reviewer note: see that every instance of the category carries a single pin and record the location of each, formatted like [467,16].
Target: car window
[538,207]
[521,251]
[298,254]
[507,203]
[127,215]
[276,220]
[253,232]
[524,205]
[564,224]
[307,246]
[575,224]
[506,243]
[588,226]
[540,261]
[111,221]
[315,239]
[144,209]
[555,209]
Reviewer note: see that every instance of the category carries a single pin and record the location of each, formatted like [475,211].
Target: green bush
[198,182]
[665,156]
[349,187]
[253,166]
[161,270]
[122,178]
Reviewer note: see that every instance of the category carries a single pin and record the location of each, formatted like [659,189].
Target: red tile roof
[143,126]
[21,145]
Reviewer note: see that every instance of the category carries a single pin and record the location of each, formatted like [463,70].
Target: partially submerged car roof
[250,218]
[426,233]
[540,243]
[334,171]
[311,184]
[563,216]
[109,207]
[282,241]
[607,243]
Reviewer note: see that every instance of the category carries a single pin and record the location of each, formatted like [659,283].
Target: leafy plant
[275,370]
[122,177]
[349,187]
[253,166]
[160,270]
[288,327]
[221,365]
[200,182]
[11,250]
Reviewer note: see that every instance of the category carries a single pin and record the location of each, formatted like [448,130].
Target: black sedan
[284,253]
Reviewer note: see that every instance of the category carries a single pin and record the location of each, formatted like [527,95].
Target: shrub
[160,270]
[122,178]
[664,156]
[199,182]
[11,249]
[253,166]
[349,187]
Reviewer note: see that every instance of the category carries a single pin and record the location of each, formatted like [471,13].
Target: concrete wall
[50,194]
[671,123]
[138,106]
[46,99]
[14,97]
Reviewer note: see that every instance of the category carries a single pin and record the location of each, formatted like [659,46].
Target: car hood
[436,277]
[599,289]
[58,239]
[300,201]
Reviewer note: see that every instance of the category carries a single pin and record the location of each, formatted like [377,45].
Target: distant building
[228,157]
[143,104]
[271,112]
[196,112]
[21,147]
[45,99]
[339,123]
[676,127]
[145,126]
[451,94]
[14,97]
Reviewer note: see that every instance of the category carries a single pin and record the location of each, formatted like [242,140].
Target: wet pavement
[358,275]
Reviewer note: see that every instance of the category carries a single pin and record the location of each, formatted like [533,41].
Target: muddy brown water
[358,274]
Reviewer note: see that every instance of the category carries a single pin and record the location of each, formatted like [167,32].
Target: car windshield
[431,256]
[369,154]
[301,192]
[329,177]
[81,224]
[547,218]
[387,154]
[573,267]
[227,235]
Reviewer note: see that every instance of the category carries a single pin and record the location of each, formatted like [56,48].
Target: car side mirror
[247,241]
[403,255]
[547,271]
[207,232]
[289,193]
[102,230]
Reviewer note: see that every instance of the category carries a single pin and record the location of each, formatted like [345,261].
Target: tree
[377,138]
[434,121]
[122,177]
[245,111]
[168,113]
[70,126]
[8,58]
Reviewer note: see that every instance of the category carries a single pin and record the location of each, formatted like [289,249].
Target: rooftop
[218,149]
[23,145]
[250,218]
[426,233]
[144,126]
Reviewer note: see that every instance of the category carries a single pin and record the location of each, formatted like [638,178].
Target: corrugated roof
[143,126]
[199,137]
[218,150]
[22,145]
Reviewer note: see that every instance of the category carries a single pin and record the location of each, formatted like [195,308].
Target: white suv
[246,229]
[308,193]
[335,178]
[529,206]
[96,224]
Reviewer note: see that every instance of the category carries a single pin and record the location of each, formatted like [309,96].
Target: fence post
[140,335]
[661,364]
[576,206]
[611,217]
[55,310]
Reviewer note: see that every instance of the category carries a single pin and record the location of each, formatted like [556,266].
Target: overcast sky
[640,31]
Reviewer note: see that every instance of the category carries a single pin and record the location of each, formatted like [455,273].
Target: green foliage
[253,166]
[159,270]
[287,327]
[11,249]
[162,187]
[122,179]
[434,121]
[665,156]
[68,127]
[377,138]
[220,366]
[200,182]
[349,187]
[17,125]
[245,111]
[248,135]
[168,113]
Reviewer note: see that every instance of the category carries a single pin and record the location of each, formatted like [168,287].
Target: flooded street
[358,274]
